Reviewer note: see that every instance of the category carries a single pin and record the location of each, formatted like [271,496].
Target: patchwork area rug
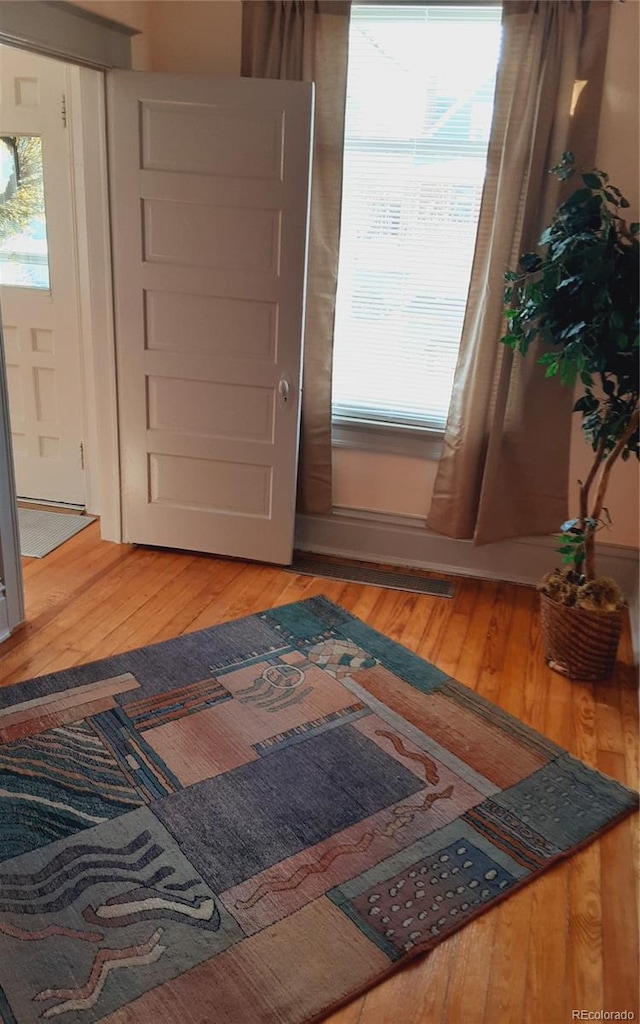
[250,824]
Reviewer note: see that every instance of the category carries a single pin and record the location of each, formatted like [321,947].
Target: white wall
[196,37]
[184,37]
[395,484]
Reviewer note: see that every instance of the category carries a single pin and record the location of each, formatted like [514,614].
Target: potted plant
[579,296]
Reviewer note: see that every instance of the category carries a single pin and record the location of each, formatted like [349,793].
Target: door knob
[284,389]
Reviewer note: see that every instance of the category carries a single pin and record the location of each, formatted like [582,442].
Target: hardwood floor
[568,941]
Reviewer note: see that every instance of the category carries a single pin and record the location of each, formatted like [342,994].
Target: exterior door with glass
[38,279]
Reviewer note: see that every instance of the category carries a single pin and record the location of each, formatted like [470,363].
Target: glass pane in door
[24,261]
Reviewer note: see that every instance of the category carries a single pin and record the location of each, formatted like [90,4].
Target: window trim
[387,438]
[432,3]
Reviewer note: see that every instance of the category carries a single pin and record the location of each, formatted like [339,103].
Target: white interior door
[210,190]
[38,280]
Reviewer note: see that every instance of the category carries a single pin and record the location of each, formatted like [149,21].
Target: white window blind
[420,91]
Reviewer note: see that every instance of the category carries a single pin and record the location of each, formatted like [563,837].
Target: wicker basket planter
[578,643]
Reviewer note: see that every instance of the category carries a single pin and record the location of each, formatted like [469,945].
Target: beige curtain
[307,40]
[504,468]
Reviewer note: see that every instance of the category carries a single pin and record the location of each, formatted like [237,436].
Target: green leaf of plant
[591,180]
[530,261]
[564,169]
[580,298]
[568,372]
[587,403]
[616,318]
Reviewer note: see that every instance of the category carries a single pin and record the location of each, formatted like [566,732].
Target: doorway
[84,46]
[55,314]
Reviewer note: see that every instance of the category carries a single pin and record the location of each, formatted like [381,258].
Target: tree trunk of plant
[588,555]
[596,512]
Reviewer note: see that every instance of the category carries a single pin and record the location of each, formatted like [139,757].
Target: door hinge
[82,454]
[63,110]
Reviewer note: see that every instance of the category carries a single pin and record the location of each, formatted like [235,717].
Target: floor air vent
[355,572]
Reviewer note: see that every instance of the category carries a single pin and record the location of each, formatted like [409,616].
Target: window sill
[388,439]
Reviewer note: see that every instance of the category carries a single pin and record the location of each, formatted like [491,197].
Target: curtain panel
[504,467]
[307,40]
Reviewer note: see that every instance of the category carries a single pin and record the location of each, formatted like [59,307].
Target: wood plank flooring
[568,941]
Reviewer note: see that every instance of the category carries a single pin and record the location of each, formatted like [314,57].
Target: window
[23,232]
[419,106]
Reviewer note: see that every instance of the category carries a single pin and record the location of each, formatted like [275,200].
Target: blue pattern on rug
[56,783]
[565,801]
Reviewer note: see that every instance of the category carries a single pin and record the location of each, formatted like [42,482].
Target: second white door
[38,279]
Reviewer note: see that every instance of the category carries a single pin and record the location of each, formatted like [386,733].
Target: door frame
[89,44]
[87,124]
[11,589]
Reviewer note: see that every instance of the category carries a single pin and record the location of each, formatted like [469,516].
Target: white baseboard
[403,540]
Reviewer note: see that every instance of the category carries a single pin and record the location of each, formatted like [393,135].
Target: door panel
[211,408]
[39,290]
[209,484]
[210,188]
[207,140]
[201,235]
[182,323]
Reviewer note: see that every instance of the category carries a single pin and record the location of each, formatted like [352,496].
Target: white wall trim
[389,438]
[67,32]
[89,153]
[11,589]
[403,540]
[4,616]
